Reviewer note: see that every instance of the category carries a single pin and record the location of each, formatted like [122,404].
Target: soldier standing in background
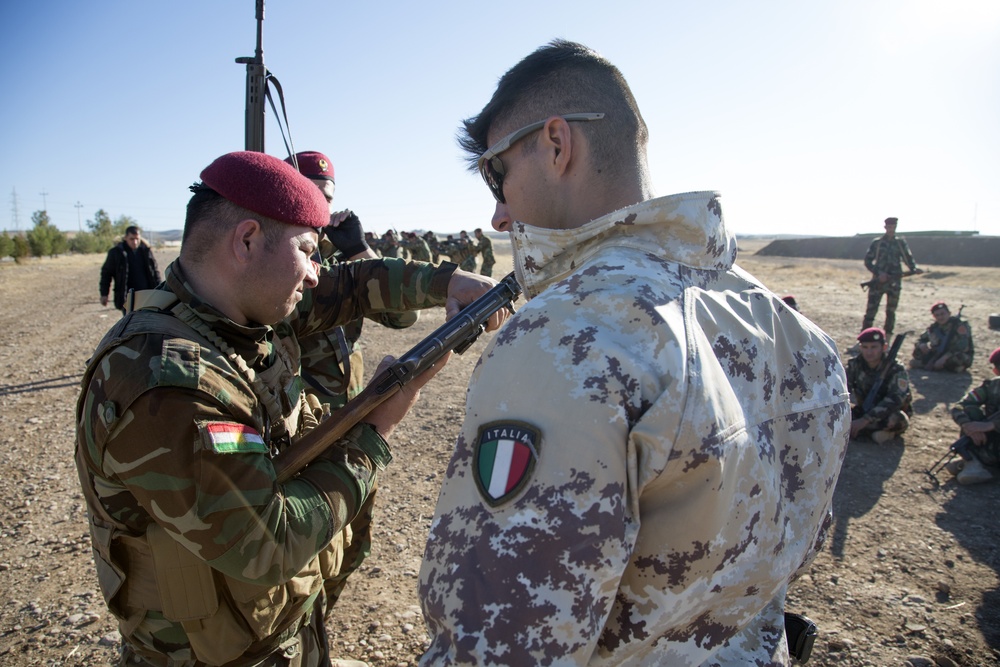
[946,345]
[884,259]
[131,265]
[485,249]
[978,415]
[647,411]
[202,556]
[417,247]
[890,411]
[332,361]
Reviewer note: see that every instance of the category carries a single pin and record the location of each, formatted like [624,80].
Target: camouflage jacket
[894,394]
[980,404]
[887,256]
[418,249]
[959,344]
[178,419]
[486,250]
[649,454]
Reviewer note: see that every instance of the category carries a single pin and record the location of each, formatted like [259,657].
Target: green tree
[6,245]
[44,239]
[21,249]
[123,222]
[103,230]
[84,243]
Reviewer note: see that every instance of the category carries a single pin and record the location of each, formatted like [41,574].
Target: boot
[955,466]
[882,437]
[974,472]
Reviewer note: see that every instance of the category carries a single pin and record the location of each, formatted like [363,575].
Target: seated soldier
[978,415]
[947,343]
[885,414]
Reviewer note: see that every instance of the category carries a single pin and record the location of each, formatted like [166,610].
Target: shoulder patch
[180,362]
[505,456]
[231,438]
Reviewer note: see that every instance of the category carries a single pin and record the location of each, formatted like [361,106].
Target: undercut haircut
[210,215]
[557,79]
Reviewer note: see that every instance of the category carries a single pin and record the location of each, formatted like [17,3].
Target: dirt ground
[910,577]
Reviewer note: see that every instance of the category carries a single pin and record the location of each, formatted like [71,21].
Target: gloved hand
[345,232]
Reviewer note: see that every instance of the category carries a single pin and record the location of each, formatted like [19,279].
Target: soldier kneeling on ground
[946,345]
[880,390]
[978,415]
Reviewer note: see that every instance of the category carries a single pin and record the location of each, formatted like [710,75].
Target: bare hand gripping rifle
[457,334]
[883,371]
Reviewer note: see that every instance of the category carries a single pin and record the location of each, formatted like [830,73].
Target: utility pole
[13,207]
[45,206]
[78,206]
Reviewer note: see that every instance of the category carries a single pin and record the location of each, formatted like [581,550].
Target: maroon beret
[891,221]
[266,185]
[938,306]
[313,164]
[871,335]
[995,357]
[790,300]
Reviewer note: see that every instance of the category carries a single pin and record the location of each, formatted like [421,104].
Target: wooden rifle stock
[457,334]
[874,280]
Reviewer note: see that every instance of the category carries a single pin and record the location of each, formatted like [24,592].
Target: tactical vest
[222,617]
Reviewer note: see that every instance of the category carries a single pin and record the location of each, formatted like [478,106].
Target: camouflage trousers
[896,422]
[988,453]
[486,269]
[891,303]
[956,363]
[468,264]
[307,648]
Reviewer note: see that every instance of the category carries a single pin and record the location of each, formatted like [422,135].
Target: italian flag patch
[505,456]
[231,438]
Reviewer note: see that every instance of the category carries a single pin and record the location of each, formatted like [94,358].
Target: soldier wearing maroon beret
[978,417]
[880,411]
[946,345]
[203,556]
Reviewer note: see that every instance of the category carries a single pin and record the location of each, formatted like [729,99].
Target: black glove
[348,237]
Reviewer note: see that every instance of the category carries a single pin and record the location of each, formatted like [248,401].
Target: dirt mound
[927,250]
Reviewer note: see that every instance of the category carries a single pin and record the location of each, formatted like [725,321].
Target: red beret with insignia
[266,185]
[872,335]
[313,164]
[939,306]
[995,357]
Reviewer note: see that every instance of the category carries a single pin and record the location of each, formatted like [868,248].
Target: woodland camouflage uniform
[200,554]
[982,404]
[893,401]
[485,249]
[960,345]
[886,255]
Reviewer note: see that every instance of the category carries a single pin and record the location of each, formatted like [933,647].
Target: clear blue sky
[810,117]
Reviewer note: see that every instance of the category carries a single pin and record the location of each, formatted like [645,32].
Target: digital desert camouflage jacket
[888,256]
[894,394]
[174,446]
[649,455]
[980,404]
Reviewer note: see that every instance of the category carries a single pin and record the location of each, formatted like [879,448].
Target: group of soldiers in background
[880,385]
[430,248]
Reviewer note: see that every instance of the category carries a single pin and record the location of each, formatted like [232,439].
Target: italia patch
[505,456]
[232,438]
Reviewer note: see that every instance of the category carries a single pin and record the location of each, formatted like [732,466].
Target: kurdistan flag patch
[232,438]
[505,456]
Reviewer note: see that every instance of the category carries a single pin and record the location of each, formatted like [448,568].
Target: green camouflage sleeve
[870,256]
[217,495]
[366,287]
[896,390]
[980,404]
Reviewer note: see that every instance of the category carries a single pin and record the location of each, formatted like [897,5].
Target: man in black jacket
[131,265]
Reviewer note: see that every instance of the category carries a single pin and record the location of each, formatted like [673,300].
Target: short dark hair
[132,229]
[209,214]
[560,78]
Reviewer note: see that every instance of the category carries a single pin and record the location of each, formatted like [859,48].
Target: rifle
[883,371]
[457,334]
[892,276]
[947,339]
[958,448]
[259,80]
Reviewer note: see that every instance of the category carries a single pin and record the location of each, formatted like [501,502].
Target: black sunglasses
[491,167]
